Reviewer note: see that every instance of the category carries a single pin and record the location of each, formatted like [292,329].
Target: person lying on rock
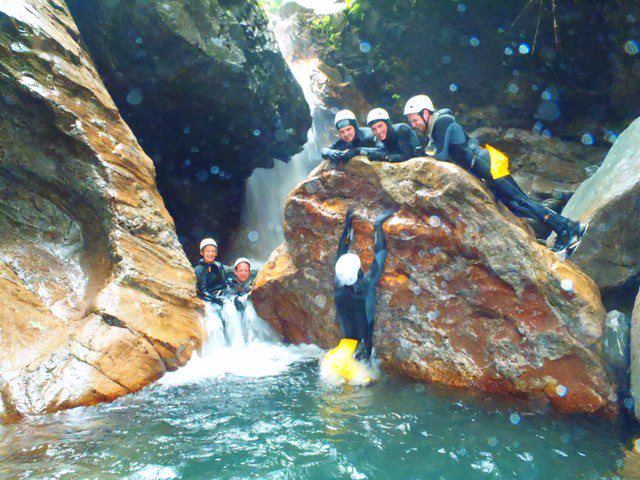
[354,293]
[210,274]
[239,286]
[351,138]
[394,142]
[452,144]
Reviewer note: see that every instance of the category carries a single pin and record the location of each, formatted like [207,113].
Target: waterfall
[239,343]
[266,190]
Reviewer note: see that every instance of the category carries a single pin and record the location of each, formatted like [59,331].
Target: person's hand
[384,216]
[335,156]
[377,155]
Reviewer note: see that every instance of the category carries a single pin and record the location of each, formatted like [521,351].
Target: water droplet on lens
[513,88]
[138,40]
[186,130]
[435,221]
[256,132]
[446,59]
[514,418]
[253,236]
[632,47]
[461,7]
[134,97]
[492,441]
[562,391]
[365,47]
[453,87]
[215,170]
[321,301]
[524,49]
[508,51]
[474,41]
[587,139]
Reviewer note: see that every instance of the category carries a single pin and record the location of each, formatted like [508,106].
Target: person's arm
[200,274]
[333,153]
[448,132]
[409,145]
[375,153]
[347,234]
[379,249]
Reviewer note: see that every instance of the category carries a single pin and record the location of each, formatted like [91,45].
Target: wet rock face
[610,202]
[98,298]
[635,356]
[205,89]
[581,77]
[468,297]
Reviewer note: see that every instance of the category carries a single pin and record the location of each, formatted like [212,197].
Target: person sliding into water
[453,144]
[351,139]
[210,274]
[354,293]
[395,142]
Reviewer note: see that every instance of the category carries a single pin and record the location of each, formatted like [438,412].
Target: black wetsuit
[211,280]
[356,304]
[401,144]
[336,152]
[237,287]
[453,144]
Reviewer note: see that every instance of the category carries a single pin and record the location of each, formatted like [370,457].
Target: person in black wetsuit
[210,274]
[395,142]
[354,293]
[351,139]
[239,285]
[452,144]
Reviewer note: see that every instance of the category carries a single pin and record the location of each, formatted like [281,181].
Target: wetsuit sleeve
[380,255]
[408,143]
[446,132]
[200,273]
[345,238]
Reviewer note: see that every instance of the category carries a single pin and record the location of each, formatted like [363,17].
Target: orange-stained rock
[468,298]
[98,299]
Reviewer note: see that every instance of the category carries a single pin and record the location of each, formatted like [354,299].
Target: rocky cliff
[98,298]
[468,297]
[206,91]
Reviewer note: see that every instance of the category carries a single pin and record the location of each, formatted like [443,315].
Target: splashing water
[239,343]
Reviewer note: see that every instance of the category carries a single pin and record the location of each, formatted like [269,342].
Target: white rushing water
[267,188]
[239,343]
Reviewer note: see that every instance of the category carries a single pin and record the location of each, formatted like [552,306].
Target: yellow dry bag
[499,162]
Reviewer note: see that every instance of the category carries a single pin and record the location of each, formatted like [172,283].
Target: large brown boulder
[98,299]
[610,202]
[468,297]
[635,356]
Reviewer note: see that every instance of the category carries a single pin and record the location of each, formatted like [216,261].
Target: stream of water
[249,406]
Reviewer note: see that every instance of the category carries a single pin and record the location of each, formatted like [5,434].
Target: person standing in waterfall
[211,279]
[351,138]
[354,293]
[394,142]
[452,144]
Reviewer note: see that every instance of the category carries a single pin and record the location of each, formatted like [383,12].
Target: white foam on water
[239,343]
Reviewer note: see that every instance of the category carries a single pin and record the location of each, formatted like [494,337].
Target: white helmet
[347,268]
[377,115]
[417,104]
[241,260]
[344,118]
[206,242]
